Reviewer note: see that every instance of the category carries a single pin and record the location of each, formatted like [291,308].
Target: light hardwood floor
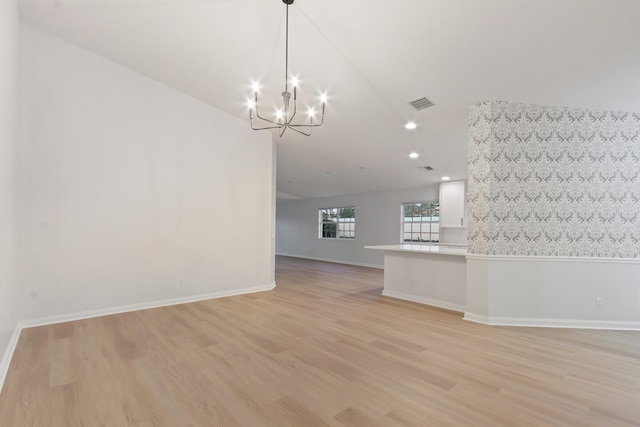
[323,348]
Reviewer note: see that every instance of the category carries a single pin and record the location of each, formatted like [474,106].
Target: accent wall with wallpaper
[554,181]
[554,207]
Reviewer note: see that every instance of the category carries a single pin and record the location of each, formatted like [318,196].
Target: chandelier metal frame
[286,122]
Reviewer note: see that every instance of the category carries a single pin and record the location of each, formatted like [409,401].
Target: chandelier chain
[286,52]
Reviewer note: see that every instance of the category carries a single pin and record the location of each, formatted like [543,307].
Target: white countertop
[424,249]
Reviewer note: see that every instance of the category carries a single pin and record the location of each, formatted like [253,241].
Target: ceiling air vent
[421,104]
[427,168]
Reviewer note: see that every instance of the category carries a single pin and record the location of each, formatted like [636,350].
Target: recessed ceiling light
[410,125]
[414,155]
[445,178]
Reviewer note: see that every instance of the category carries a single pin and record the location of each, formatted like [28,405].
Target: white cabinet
[453,204]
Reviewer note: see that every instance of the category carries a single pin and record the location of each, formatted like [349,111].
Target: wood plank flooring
[322,349]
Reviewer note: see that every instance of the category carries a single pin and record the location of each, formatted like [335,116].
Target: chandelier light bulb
[311,112]
[323,98]
[251,104]
[295,81]
[255,86]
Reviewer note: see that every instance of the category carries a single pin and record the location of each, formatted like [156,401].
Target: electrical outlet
[599,302]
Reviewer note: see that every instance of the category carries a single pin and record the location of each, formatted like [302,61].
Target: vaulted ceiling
[372,58]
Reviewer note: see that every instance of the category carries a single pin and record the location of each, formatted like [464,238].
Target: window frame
[430,222]
[338,210]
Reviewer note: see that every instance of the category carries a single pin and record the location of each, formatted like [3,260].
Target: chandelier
[287,112]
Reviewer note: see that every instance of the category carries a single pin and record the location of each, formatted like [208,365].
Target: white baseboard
[552,323]
[428,301]
[142,306]
[336,261]
[8,354]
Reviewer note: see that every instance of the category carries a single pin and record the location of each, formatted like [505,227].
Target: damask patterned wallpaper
[553,181]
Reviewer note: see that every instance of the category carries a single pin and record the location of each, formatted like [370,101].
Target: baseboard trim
[552,323]
[8,354]
[427,301]
[142,306]
[336,261]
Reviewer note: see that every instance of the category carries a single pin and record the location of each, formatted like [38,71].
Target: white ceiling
[372,57]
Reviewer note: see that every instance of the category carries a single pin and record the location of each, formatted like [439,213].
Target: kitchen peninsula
[429,274]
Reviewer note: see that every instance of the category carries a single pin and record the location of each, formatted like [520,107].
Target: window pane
[408,210]
[347,212]
[436,210]
[328,230]
[420,222]
[337,223]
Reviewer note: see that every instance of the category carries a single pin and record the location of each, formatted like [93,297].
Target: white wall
[554,291]
[131,192]
[435,279]
[378,222]
[8,141]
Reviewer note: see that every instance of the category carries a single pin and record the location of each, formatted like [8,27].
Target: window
[420,222]
[337,223]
